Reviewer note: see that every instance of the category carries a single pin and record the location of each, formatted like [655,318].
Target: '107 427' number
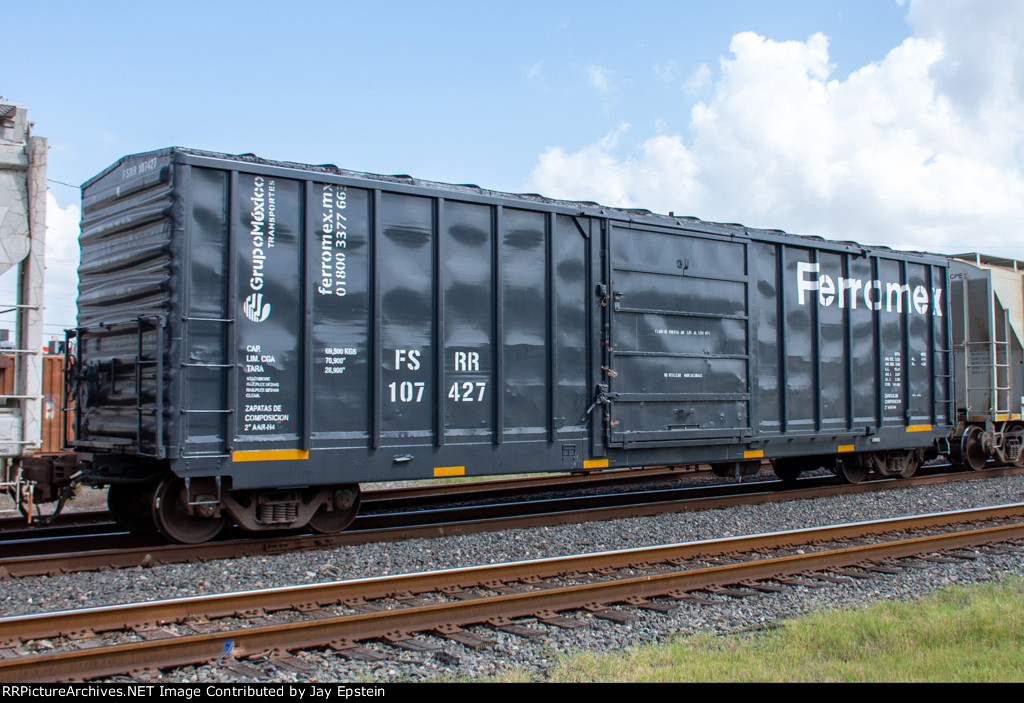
[464,392]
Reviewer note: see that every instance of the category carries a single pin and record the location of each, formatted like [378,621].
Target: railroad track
[67,554]
[344,615]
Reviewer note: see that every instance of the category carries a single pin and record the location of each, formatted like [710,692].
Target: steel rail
[373,528]
[343,630]
[93,620]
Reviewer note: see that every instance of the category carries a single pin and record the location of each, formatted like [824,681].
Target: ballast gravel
[534,656]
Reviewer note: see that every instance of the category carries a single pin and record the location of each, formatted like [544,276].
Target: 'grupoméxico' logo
[255,309]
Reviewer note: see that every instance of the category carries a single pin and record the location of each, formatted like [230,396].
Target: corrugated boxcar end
[261,336]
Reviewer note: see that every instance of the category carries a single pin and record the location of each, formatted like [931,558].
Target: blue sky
[441,90]
[886,122]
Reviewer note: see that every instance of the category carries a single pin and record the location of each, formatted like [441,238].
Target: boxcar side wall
[741,345]
[377,332]
[861,341]
[285,326]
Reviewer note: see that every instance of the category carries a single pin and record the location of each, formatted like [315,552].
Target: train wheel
[851,470]
[345,508]
[788,469]
[911,468]
[972,453]
[131,505]
[173,519]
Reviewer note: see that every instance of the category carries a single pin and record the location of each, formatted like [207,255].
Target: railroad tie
[794,581]
[881,568]
[355,652]
[825,576]
[457,634]
[408,599]
[152,631]
[312,610]
[412,643]
[762,586]
[514,628]
[199,624]
[281,659]
[240,668]
[87,635]
[965,556]
[641,602]
[504,588]
[730,592]
[458,593]
[852,573]
[252,614]
[914,564]
[550,617]
[689,597]
[581,577]
[606,613]
[361,606]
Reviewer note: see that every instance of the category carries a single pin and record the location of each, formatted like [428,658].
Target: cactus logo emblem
[255,309]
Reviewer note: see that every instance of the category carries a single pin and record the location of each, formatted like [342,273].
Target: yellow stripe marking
[442,471]
[753,454]
[271,455]
[1000,418]
[595,464]
[919,428]
[1015,416]
[845,448]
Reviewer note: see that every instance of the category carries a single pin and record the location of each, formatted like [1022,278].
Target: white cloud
[593,169]
[698,80]
[923,149]
[599,78]
[666,72]
[62,256]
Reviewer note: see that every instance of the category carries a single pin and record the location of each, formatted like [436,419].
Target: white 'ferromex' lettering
[876,294]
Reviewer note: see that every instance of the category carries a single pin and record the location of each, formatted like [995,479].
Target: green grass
[957,635]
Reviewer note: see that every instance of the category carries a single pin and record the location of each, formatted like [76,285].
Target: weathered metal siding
[679,359]
[308,324]
[52,430]
[733,337]
[358,329]
[987,310]
[864,343]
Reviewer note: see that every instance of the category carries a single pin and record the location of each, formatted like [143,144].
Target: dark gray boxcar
[277,324]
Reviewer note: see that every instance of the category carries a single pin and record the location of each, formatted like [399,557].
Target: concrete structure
[22,252]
